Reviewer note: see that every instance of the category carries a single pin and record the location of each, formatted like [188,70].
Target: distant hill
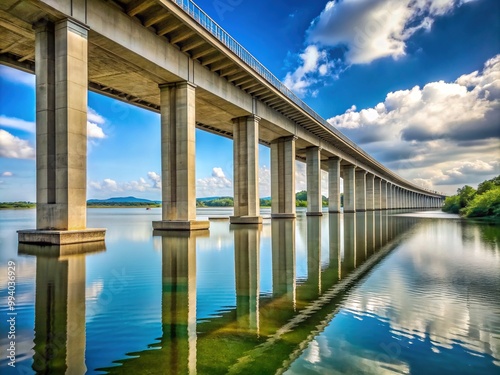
[210,198]
[122,200]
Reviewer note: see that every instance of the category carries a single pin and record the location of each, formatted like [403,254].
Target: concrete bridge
[168,56]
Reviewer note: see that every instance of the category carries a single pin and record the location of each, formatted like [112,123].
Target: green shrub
[486,204]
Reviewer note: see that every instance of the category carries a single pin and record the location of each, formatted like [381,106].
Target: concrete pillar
[61,52]
[390,196]
[177,102]
[283,178]
[349,188]
[360,190]
[384,203]
[370,192]
[247,275]
[377,193]
[246,170]
[334,170]
[314,199]
[349,260]
[334,225]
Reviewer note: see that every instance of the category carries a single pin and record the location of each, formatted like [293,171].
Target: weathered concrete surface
[283,178]
[173,225]
[246,167]
[334,170]
[349,188]
[314,200]
[360,190]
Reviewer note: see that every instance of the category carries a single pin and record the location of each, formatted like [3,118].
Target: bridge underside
[155,55]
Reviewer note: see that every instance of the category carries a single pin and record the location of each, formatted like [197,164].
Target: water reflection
[59,343]
[266,333]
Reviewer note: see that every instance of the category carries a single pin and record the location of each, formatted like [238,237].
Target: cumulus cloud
[94,124]
[109,185]
[442,125]
[16,123]
[375,29]
[313,64]
[7,174]
[215,185]
[14,147]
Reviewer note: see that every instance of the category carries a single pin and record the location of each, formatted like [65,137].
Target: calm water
[375,293]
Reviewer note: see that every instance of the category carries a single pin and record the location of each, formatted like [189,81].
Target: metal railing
[211,26]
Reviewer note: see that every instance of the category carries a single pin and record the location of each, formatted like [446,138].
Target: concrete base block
[245,219]
[314,213]
[283,216]
[349,211]
[334,212]
[360,210]
[61,237]
[181,225]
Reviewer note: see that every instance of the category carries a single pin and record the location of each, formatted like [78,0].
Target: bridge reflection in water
[262,334]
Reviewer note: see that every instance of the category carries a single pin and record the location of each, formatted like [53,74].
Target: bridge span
[168,56]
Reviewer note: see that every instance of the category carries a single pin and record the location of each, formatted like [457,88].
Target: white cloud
[442,126]
[215,185]
[16,123]
[375,29]
[156,179]
[313,63]
[94,131]
[109,185]
[7,174]
[16,76]
[14,147]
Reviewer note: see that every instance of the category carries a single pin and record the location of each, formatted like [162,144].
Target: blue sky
[415,83]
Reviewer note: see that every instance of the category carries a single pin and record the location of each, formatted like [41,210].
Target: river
[395,292]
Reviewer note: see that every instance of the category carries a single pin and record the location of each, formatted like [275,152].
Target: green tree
[486,204]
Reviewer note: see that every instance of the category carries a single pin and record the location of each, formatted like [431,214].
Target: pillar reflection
[314,255]
[360,233]
[178,340]
[59,343]
[370,232]
[348,261]
[247,260]
[335,244]
[283,255]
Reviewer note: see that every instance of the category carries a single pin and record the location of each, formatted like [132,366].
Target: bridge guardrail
[211,26]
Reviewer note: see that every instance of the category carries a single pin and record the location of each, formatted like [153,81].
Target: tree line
[483,202]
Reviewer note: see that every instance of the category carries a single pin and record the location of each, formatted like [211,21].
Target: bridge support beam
[334,169]
[370,192]
[177,102]
[283,178]
[61,52]
[383,195]
[377,193]
[314,199]
[360,190]
[246,170]
[349,188]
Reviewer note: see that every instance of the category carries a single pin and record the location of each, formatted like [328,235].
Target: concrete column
[370,192]
[360,190]
[377,193]
[314,199]
[283,178]
[246,170]
[384,203]
[390,196]
[349,188]
[177,102]
[334,226]
[334,170]
[61,52]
